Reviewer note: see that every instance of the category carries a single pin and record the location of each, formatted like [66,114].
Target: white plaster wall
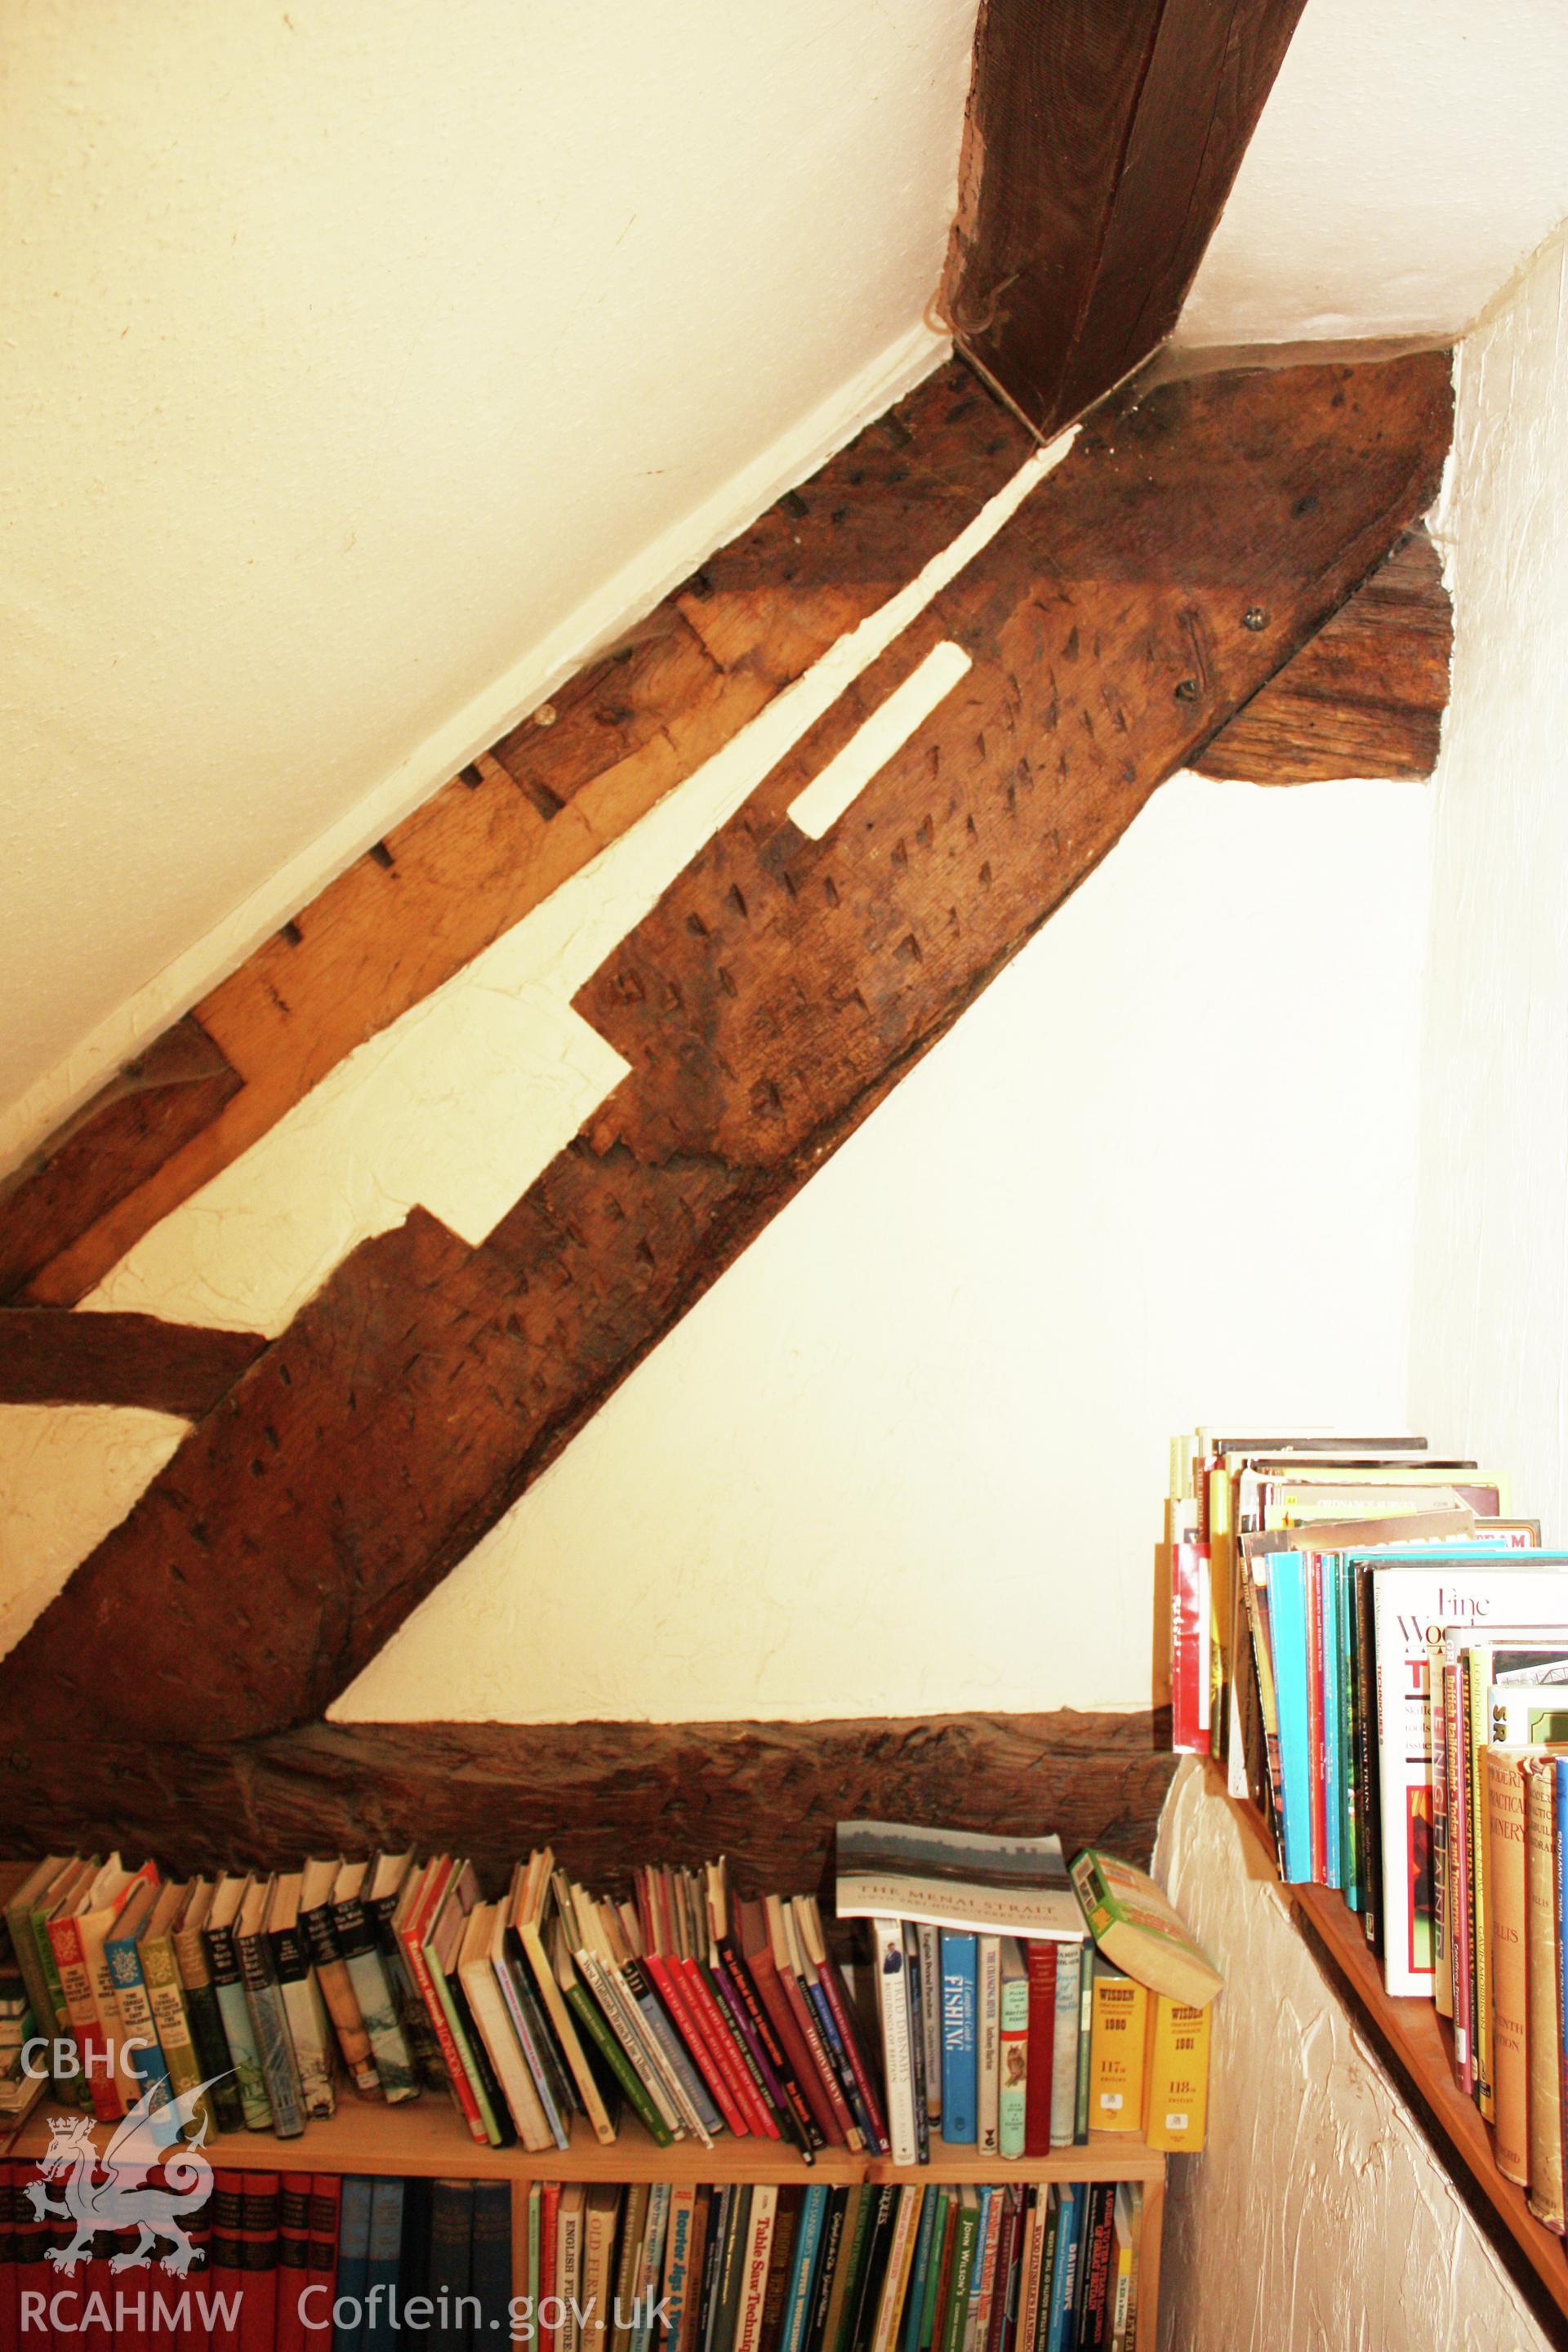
[1317,2220]
[68,1475]
[362,364]
[1489,1329]
[905,1456]
[1410,155]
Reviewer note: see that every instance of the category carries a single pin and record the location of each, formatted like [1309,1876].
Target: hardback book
[617,2006]
[1012,2051]
[415,1928]
[1088,1967]
[824,1981]
[662,1958]
[987,2042]
[930,1980]
[1064,2266]
[622,2323]
[960,2090]
[359,1941]
[803,2269]
[442,1947]
[600,2036]
[141,2066]
[622,1946]
[892,1999]
[956,1879]
[489,2262]
[264,2000]
[742,2002]
[294,2262]
[528,1918]
[789,1966]
[166,2000]
[319,1928]
[207,2029]
[1064,2044]
[1507,1929]
[1175,2095]
[962,2275]
[1543,1967]
[1118,2050]
[391,1888]
[805,2094]
[326,2203]
[1413,1600]
[220,1935]
[1139,1930]
[600,2213]
[304,2011]
[1041,1962]
[77,1937]
[535,2038]
[676,2282]
[384,2247]
[755,2258]
[451,2258]
[479,1960]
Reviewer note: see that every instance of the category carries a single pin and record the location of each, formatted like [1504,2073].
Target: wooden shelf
[1416,2046]
[426,2136]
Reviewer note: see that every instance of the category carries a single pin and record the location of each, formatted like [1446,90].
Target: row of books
[1407,1671]
[698,2013]
[1002,2024]
[303,2262]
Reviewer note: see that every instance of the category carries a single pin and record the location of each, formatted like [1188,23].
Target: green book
[930,2315]
[616,2059]
[967,2227]
[1085,2031]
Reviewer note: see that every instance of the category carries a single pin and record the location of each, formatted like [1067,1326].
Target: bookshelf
[425,2137]
[1416,2046]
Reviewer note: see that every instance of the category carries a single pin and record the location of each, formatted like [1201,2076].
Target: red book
[326,2199]
[10,2257]
[195,2288]
[757,1952]
[95,2329]
[1189,1649]
[259,2260]
[33,2276]
[832,1984]
[845,2131]
[672,1991]
[1042,1960]
[226,2301]
[130,2299]
[549,2222]
[731,2054]
[71,1958]
[412,1936]
[293,2260]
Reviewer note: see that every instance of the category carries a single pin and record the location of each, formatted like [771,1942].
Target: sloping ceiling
[364,365]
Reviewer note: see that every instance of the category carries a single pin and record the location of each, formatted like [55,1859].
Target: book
[451,2261]
[956,1879]
[1175,2093]
[1119,2037]
[304,2009]
[141,2065]
[384,2247]
[489,2260]
[1140,1931]
[220,1937]
[1506,1930]
[1013,2054]
[264,2001]
[959,2044]
[892,1997]
[1543,1977]
[479,1965]
[208,2031]
[529,1920]
[1064,2044]
[359,1942]
[319,1928]
[166,2000]
[756,2256]
[1041,1962]
[987,2042]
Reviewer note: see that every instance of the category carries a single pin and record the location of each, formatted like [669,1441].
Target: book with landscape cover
[955,1878]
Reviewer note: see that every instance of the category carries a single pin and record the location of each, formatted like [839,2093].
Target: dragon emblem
[119,2191]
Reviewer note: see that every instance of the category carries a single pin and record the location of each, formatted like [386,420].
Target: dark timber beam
[1188,547]
[1101,141]
[48,1356]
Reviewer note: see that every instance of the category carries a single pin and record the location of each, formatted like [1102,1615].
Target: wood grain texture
[129,1129]
[1365,696]
[51,1356]
[1101,141]
[494,843]
[777,991]
[606,1795]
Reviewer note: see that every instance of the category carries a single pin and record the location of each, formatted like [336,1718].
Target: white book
[893,2007]
[1414,1604]
[1063,2044]
[754,2266]
[988,2043]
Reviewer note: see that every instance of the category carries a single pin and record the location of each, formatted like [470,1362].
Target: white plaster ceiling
[362,362]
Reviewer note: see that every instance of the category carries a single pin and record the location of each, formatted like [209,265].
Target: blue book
[919,2274]
[353,2261]
[984,2260]
[960,2090]
[383,2243]
[123,1961]
[1332,1671]
[1351,1829]
[1288,1643]
[1064,2267]
[489,2260]
[802,2269]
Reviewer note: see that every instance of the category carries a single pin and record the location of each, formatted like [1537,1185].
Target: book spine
[1459,1878]
[457,2075]
[1012,2105]
[223,1963]
[920,2271]
[472,2055]
[921,1997]
[1442,1840]
[832,1986]
[700,2112]
[1368,1799]
[1477,1675]
[673,1993]
[959,2085]
[213,2054]
[305,2016]
[489,2259]
[1544,1963]
[728,2049]
[171,2023]
[140,2053]
[892,1994]
[619,2012]
[1041,1960]
[630,2080]
[1505,1877]
[343,2007]
[560,2016]
[1176,2095]
[279,2069]
[930,2019]
[754,2261]
[965,2246]
[293,2260]
[259,2260]
[361,1948]
[988,2044]
[91,2040]
[1089,1962]
[1118,2051]
[526,2025]
[326,2202]
[738,1991]
[1064,2044]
